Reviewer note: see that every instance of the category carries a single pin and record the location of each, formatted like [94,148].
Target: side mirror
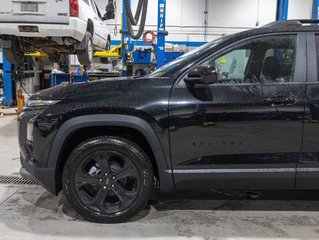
[201,75]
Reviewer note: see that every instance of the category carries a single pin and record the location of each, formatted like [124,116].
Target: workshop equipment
[315,9]
[59,78]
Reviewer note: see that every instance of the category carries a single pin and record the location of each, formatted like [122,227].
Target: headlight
[41,103]
[30,129]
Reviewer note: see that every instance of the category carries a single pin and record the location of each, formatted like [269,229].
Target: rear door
[35,11]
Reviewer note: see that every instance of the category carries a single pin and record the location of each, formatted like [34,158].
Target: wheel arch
[71,126]
[90,27]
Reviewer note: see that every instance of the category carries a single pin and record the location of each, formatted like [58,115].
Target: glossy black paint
[307,174]
[236,130]
[207,136]
[123,101]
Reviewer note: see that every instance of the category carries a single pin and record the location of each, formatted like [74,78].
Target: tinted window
[172,69]
[263,60]
[232,66]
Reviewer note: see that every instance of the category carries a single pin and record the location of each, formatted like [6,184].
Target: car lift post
[126,41]
[161,33]
[315,9]
[8,83]
[282,10]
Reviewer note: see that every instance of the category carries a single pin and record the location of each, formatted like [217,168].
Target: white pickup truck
[55,27]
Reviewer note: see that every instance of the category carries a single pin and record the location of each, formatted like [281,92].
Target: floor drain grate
[15,180]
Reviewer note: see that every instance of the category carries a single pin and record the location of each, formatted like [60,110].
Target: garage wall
[185,18]
[299,9]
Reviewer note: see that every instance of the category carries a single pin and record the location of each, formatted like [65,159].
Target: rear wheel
[85,56]
[108,179]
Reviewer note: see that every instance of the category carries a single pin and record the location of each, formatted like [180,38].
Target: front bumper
[34,155]
[43,176]
[76,28]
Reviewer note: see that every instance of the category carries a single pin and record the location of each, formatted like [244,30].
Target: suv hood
[64,91]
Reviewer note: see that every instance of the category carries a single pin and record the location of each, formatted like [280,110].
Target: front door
[245,131]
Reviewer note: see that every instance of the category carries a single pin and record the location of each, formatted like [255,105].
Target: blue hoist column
[315,9]
[8,84]
[161,33]
[126,41]
[282,10]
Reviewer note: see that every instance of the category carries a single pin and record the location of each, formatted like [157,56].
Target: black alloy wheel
[108,179]
[107,182]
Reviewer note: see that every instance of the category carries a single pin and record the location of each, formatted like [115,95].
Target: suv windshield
[170,69]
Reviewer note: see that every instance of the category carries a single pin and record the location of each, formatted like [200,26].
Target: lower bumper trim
[43,176]
[25,174]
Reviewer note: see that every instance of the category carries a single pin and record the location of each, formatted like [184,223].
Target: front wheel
[108,179]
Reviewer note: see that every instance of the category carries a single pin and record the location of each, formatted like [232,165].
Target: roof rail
[291,23]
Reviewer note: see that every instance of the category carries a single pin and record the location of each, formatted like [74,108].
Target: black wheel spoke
[127,171]
[124,196]
[102,159]
[83,179]
[99,200]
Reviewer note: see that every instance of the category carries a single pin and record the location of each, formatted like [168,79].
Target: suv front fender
[113,120]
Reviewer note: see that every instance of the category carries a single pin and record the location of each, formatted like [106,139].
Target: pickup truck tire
[14,54]
[108,179]
[85,56]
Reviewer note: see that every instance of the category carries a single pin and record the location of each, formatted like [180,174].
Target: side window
[87,2]
[231,67]
[278,65]
[261,60]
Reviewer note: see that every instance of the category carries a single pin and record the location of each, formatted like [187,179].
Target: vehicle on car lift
[241,112]
[54,27]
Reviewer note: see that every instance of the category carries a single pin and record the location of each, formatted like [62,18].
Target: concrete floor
[29,212]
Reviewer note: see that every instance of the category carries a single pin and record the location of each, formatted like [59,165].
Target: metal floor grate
[15,180]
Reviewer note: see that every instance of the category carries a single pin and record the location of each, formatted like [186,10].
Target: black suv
[241,112]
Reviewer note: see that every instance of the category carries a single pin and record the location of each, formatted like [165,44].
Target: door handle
[280,101]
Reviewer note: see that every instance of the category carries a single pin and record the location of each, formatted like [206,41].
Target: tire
[108,179]
[85,56]
[107,48]
[14,54]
